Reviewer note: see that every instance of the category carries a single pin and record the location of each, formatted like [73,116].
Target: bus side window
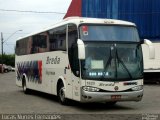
[21,47]
[57,39]
[39,43]
[17,48]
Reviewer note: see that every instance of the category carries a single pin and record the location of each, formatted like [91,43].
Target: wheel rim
[62,94]
[24,86]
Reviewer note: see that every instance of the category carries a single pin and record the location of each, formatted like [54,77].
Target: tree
[8,59]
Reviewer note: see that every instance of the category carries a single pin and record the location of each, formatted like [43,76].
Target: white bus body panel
[151,65]
[109,87]
[51,73]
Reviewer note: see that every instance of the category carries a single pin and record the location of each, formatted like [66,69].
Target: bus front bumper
[113,96]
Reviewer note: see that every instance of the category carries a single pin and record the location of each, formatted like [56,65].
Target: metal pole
[2,49]
[11,35]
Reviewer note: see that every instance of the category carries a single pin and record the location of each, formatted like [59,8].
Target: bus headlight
[90,89]
[137,88]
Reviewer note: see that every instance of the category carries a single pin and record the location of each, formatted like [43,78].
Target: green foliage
[8,59]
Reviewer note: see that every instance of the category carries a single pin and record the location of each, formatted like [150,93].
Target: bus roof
[81,20]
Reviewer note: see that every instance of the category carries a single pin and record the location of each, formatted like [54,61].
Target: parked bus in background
[151,66]
[83,59]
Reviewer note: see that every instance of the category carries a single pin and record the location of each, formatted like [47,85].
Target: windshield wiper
[119,60]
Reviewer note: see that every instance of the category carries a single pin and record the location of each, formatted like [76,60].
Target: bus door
[73,84]
[68,81]
[73,60]
[75,73]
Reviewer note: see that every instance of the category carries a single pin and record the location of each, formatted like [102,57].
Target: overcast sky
[11,22]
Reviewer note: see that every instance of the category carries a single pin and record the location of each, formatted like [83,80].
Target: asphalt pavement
[14,101]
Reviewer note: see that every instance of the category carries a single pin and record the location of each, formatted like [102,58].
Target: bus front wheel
[61,94]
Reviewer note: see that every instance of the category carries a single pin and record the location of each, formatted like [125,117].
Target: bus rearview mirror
[151,48]
[81,49]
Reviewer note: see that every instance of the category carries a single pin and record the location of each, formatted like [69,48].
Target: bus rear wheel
[24,86]
[61,94]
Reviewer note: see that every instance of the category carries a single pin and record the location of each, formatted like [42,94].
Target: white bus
[83,59]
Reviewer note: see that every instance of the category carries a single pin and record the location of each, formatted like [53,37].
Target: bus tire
[24,86]
[61,94]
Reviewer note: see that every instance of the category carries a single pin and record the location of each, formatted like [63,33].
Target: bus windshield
[112,61]
[112,52]
[108,33]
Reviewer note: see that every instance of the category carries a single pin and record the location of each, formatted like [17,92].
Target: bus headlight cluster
[90,89]
[98,73]
[137,88]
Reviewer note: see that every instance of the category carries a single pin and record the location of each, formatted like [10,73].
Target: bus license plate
[115,97]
